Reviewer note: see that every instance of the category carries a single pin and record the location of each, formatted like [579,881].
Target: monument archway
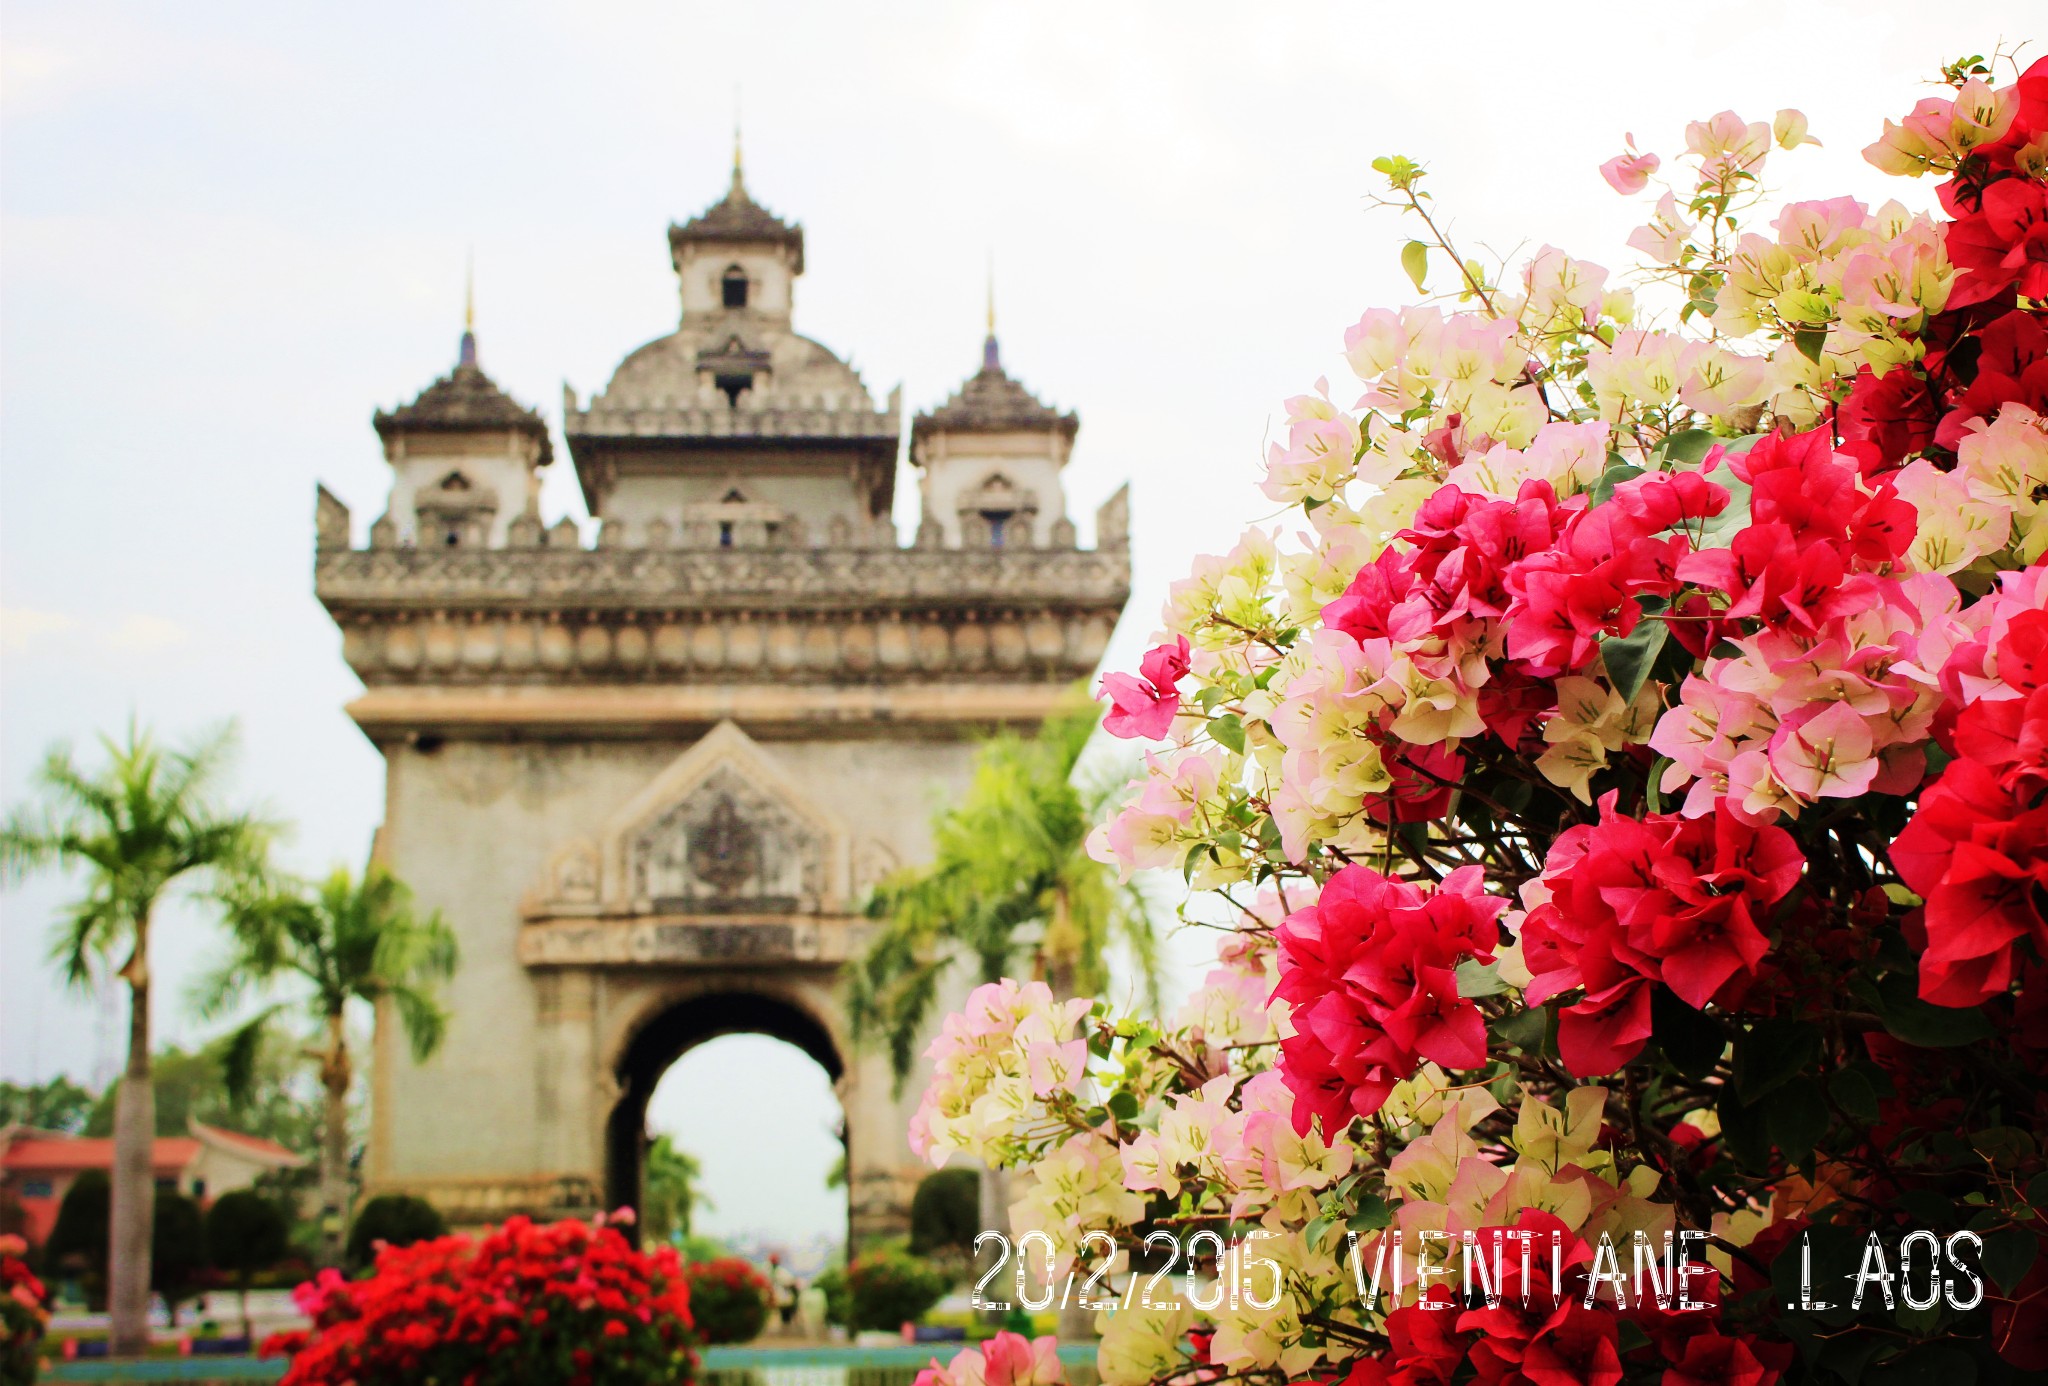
[663,759]
[682,1026]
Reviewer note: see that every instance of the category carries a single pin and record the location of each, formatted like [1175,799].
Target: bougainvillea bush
[1626,777]
[540,1304]
[24,1314]
[729,1299]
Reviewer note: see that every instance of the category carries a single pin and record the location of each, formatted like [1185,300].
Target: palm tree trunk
[131,1213]
[335,1077]
[1059,950]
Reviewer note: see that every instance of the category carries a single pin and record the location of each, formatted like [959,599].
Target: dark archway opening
[666,1038]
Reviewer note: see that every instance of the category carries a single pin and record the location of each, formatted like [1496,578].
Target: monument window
[725,534]
[735,286]
[731,385]
[997,520]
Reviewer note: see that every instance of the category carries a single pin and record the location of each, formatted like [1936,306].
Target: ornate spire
[991,359]
[467,356]
[739,187]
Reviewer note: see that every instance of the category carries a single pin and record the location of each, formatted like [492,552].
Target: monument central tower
[651,783]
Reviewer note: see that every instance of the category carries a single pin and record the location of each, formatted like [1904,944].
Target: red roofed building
[38,1167]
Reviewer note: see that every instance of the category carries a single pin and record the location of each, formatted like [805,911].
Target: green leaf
[1227,731]
[2008,1256]
[1124,1106]
[1796,1118]
[1523,1030]
[1853,1093]
[2006,1147]
[1810,341]
[1742,1131]
[1477,979]
[1688,445]
[1617,472]
[1371,1214]
[1628,657]
[1772,1054]
[1415,260]
[1719,531]
[1928,1026]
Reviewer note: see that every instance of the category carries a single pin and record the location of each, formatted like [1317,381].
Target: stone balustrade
[575,615]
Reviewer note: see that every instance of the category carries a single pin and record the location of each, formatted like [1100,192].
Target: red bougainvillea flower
[1143,706]
[1977,848]
[1628,902]
[1709,1359]
[1370,970]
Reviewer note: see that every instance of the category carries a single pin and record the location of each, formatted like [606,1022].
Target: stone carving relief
[728,848]
[570,884]
[721,832]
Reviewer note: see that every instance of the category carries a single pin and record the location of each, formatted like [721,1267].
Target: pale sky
[229,232]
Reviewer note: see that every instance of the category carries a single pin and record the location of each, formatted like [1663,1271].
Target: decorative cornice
[352,581]
[470,1202]
[739,941]
[936,711]
[607,421]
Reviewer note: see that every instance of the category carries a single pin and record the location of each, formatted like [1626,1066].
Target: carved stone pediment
[727,847]
[722,832]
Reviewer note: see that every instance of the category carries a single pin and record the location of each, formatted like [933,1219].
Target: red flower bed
[24,1314]
[528,1303]
[729,1299]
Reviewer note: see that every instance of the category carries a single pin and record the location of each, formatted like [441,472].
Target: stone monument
[650,782]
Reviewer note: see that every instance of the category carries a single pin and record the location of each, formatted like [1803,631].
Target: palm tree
[1011,881]
[350,942]
[137,825]
[672,1197]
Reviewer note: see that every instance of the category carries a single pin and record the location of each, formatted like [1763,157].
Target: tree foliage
[1011,883]
[670,1196]
[56,1105]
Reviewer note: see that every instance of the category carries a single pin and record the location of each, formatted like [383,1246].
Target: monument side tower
[650,783]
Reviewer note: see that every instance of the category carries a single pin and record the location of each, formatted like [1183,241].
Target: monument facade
[651,782]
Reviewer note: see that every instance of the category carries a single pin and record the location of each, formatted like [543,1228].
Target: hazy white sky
[230,231]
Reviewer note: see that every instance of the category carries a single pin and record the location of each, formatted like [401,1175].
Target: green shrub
[400,1219]
[729,1300]
[945,1213]
[78,1242]
[887,1289]
[245,1233]
[177,1250]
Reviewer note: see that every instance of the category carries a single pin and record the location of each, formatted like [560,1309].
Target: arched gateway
[651,783]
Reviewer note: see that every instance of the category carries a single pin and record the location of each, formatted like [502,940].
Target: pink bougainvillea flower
[1824,756]
[1144,706]
[1627,173]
